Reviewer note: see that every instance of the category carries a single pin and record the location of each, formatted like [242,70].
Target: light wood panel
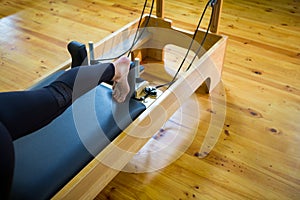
[257,155]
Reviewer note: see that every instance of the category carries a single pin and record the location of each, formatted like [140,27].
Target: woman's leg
[24,112]
[88,77]
[7,162]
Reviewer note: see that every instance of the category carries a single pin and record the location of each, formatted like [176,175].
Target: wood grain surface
[258,153]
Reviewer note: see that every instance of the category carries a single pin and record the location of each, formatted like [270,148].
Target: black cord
[136,32]
[209,3]
[136,40]
[149,91]
[144,28]
[139,24]
[203,40]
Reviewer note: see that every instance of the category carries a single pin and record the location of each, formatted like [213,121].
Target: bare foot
[121,86]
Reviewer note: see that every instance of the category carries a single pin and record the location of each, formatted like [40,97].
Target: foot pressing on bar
[121,86]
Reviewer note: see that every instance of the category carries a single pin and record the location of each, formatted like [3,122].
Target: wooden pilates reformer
[149,49]
[96,175]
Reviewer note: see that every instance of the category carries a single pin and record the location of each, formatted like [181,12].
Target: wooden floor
[258,153]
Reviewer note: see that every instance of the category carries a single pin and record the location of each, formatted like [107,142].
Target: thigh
[26,111]
[6,162]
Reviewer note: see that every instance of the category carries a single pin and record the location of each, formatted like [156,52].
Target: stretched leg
[24,112]
[7,162]
[116,72]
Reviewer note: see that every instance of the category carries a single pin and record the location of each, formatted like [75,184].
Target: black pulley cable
[139,24]
[209,3]
[202,42]
[152,90]
[134,40]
